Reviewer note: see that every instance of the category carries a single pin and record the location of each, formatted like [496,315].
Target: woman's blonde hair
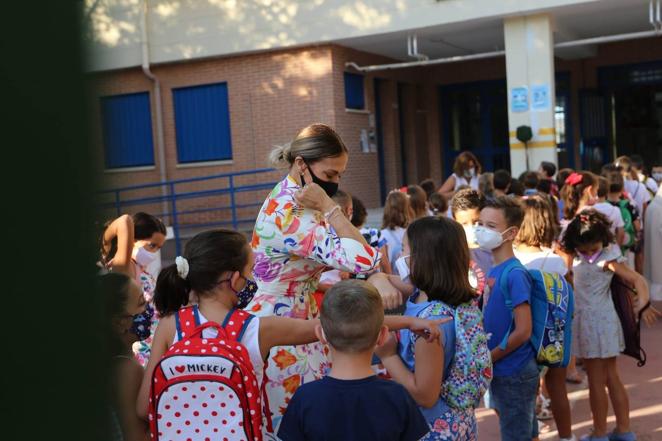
[397,211]
[313,143]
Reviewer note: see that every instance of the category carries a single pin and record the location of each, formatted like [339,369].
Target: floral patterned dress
[292,247]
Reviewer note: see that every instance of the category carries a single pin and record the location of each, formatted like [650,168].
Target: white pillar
[531,97]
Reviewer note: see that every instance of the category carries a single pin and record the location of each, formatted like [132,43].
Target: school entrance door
[474,117]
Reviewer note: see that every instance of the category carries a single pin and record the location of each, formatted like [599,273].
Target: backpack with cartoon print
[552,308]
[206,388]
[470,372]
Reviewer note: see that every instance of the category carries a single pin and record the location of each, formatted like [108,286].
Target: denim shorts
[514,397]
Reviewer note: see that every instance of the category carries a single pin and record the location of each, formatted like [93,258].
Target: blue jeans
[514,397]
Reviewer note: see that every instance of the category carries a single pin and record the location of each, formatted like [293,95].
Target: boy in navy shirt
[513,388]
[351,403]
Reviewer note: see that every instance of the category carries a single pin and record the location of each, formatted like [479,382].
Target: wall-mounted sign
[519,99]
[540,99]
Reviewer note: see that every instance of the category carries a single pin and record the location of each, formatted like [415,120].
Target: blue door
[474,117]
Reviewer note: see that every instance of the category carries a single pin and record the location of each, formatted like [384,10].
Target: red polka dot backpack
[205,388]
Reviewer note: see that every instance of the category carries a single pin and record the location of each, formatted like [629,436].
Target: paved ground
[644,386]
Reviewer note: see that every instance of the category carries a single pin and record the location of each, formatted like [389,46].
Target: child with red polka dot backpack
[204,378]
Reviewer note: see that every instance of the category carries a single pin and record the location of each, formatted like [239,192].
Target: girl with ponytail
[579,191]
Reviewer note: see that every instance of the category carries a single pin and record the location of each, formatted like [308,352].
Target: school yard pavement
[644,386]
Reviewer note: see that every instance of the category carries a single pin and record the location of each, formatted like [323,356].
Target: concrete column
[531,97]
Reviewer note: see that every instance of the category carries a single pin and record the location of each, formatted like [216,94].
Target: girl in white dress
[596,331]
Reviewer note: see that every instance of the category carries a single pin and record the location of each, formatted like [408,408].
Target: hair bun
[279,156]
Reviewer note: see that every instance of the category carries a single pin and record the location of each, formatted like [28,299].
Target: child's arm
[121,229]
[620,236]
[163,337]
[405,288]
[424,383]
[129,376]
[285,331]
[567,258]
[428,329]
[637,225]
[385,263]
[521,333]
[650,315]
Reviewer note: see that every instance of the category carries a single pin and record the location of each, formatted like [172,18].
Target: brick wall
[274,94]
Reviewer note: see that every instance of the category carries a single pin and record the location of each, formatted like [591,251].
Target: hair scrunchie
[574,178]
[182,266]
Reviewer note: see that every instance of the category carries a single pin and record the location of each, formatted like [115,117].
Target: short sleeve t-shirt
[394,241]
[352,410]
[544,260]
[498,318]
[612,213]
[637,191]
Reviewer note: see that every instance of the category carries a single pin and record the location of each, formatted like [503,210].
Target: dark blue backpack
[552,306]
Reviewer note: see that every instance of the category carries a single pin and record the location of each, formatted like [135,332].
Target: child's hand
[389,348]
[428,329]
[650,315]
[391,297]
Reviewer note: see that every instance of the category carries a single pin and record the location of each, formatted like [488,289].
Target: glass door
[474,117]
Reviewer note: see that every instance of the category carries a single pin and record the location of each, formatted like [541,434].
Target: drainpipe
[160,144]
[654,15]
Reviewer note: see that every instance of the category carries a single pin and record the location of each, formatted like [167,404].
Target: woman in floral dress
[299,233]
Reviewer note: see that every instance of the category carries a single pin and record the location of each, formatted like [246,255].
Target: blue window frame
[354,94]
[202,123]
[127,130]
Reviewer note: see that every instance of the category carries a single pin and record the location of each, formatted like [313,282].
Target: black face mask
[330,188]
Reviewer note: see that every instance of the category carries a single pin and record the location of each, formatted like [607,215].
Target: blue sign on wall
[519,99]
[540,99]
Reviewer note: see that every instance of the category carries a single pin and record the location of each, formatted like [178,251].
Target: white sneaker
[572,438]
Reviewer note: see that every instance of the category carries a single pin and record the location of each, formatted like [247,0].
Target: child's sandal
[544,414]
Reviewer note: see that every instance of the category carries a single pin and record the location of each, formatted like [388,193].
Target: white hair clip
[182,266]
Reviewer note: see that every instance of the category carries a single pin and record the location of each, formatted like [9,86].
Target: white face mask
[470,232]
[142,256]
[402,267]
[470,173]
[488,239]
[657,176]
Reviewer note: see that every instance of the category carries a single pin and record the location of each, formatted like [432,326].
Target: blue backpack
[552,305]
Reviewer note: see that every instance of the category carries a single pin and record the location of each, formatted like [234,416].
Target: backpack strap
[186,320]
[503,287]
[236,323]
